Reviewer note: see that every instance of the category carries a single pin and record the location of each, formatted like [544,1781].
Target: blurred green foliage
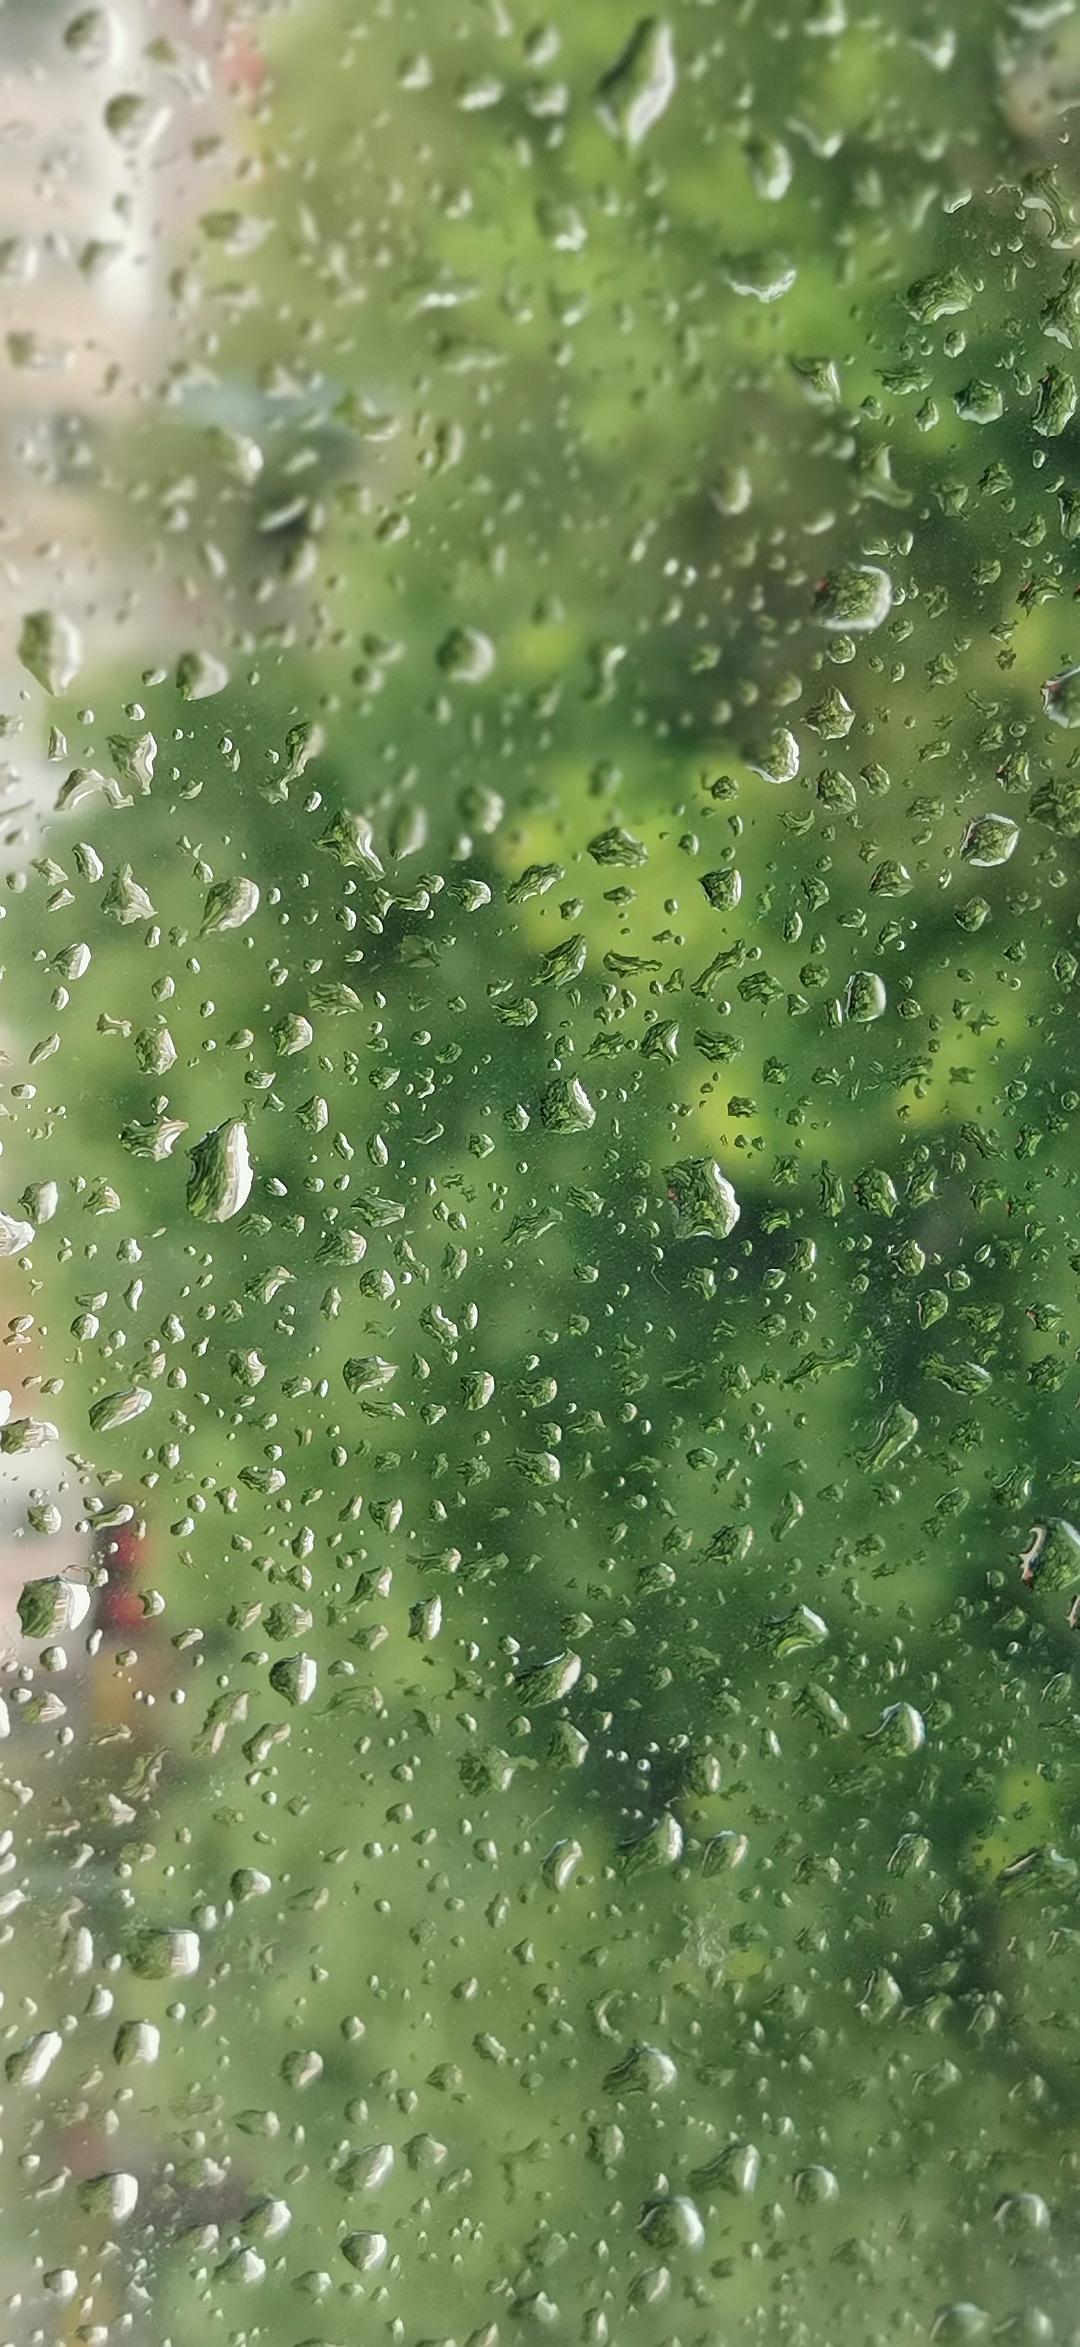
[688,1766]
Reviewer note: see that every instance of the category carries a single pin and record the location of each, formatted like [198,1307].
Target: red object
[122,1553]
[243,63]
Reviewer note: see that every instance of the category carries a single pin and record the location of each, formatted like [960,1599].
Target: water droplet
[639,87]
[219,1184]
[703,1200]
[856,597]
[989,839]
[50,646]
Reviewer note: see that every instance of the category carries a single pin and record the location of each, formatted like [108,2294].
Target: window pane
[538,1181]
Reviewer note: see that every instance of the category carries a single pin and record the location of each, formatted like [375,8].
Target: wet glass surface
[538,1189]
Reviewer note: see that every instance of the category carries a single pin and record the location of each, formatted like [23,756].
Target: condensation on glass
[539,1580]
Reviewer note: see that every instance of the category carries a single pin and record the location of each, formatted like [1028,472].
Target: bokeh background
[559,1657]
